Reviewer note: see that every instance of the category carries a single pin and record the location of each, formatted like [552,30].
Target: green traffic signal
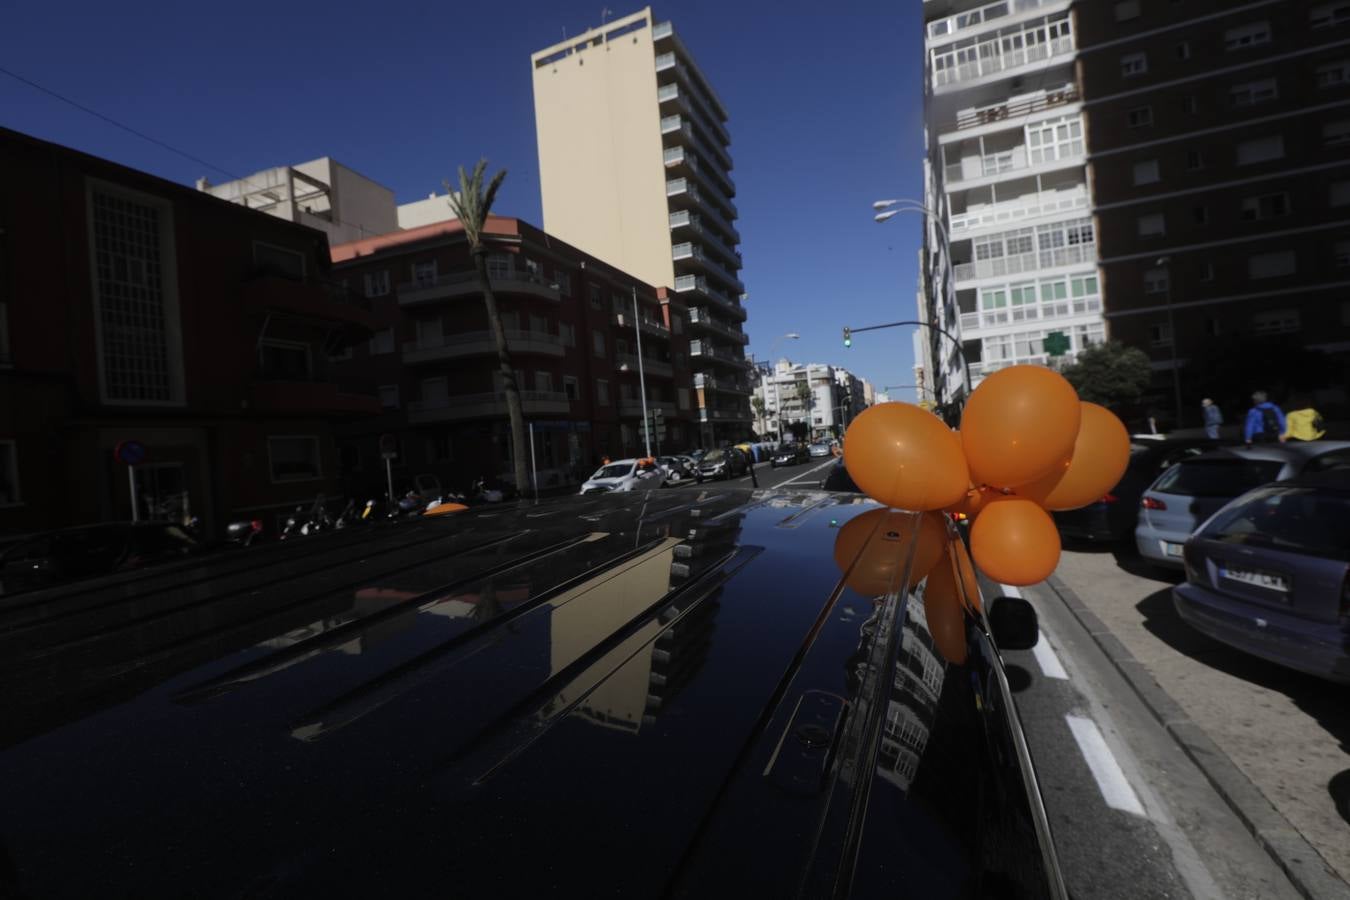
[848,337]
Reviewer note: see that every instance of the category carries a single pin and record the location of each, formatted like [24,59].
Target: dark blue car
[1269,574]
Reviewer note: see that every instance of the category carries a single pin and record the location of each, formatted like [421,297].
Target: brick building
[570,329]
[1218,138]
[135,308]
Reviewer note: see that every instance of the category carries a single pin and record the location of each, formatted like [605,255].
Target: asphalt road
[802,475]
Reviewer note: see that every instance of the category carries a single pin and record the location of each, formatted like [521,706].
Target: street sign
[1056,343]
[388,446]
[132,453]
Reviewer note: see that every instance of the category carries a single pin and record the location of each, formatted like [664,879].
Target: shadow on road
[1323,701]
[1339,788]
[1127,558]
[1019,679]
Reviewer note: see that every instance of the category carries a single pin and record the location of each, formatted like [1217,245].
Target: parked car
[675,678]
[788,455]
[88,551]
[819,450]
[722,463]
[1194,489]
[1269,574]
[837,478]
[678,468]
[625,475]
[1114,517]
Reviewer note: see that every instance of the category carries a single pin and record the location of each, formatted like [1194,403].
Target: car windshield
[1298,520]
[617,470]
[714,456]
[1217,477]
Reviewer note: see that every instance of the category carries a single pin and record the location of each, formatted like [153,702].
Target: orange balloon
[1100,455]
[942,609]
[905,457]
[974,501]
[1018,424]
[871,548]
[1015,542]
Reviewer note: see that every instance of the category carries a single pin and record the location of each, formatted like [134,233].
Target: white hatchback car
[625,475]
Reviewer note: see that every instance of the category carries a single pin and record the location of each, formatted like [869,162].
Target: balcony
[670,96]
[480,343]
[976,19]
[693,254]
[627,362]
[482,406]
[304,398]
[465,284]
[705,351]
[645,325]
[991,58]
[682,127]
[700,318]
[1026,262]
[1013,113]
[1030,206]
[976,171]
[713,414]
[632,406]
[705,381]
[698,286]
[271,292]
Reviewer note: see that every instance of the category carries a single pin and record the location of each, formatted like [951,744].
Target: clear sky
[824,99]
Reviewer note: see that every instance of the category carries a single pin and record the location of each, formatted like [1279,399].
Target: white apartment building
[823,397]
[634,168]
[1014,257]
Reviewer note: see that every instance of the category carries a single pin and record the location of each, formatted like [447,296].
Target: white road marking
[1010,591]
[1047,660]
[1110,778]
[828,462]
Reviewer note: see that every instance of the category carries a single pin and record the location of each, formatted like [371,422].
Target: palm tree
[805,395]
[758,403]
[471,204]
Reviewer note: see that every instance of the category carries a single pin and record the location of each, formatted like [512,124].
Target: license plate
[1265,580]
[1172,549]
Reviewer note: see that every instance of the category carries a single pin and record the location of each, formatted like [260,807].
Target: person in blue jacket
[1265,422]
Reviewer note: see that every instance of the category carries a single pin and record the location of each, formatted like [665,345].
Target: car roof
[413,704]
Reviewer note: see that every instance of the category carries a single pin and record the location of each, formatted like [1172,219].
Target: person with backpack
[1265,422]
[1304,423]
[1213,418]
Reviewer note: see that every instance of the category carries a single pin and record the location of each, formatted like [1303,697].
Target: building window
[1160,335]
[1334,134]
[1333,74]
[1251,93]
[1195,160]
[389,396]
[424,274]
[539,325]
[1146,172]
[567,334]
[1276,321]
[595,297]
[598,343]
[543,382]
[1329,14]
[430,333]
[293,458]
[382,342]
[1341,252]
[602,392]
[1260,150]
[1339,195]
[283,261]
[1140,117]
[1246,36]
[1151,225]
[1190,105]
[1127,10]
[9,474]
[377,283]
[564,281]
[1200,215]
[570,386]
[1055,139]
[284,360]
[682,395]
[1183,50]
[440,448]
[1265,206]
[1132,64]
[1156,281]
[1207,271]
[1271,265]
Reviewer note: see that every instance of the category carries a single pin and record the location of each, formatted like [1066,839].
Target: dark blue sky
[824,98]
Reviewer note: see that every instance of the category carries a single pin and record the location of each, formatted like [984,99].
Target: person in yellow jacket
[1303,424]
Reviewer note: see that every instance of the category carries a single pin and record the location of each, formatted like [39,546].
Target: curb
[1307,871]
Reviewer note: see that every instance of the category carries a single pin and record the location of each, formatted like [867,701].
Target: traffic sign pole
[131,475]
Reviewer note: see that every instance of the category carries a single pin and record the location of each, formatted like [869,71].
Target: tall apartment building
[821,398]
[634,169]
[1011,250]
[1219,138]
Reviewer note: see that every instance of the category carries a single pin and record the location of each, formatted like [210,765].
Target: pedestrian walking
[1304,423]
[750,464]
[1213,418]
[1265,422]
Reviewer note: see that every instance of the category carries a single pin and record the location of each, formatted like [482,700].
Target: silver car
[1187,494]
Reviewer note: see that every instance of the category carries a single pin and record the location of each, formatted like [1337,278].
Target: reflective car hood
[609,695]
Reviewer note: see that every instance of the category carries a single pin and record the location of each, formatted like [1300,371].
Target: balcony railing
[699,318]
[713,382]
[645,325]
[999,60]
[472,406]
[628,362]
[713,414]
[1044,311]
[954,25]
[459,284]
[1028,207]
[699,284]
[1014,160]
[480,343]
[705,350]
[632,406]
[1014,112]
[1026,262]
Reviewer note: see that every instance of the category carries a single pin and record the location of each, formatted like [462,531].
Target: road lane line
[1110,778]
[1010,591]
[828,462]
[1047,660]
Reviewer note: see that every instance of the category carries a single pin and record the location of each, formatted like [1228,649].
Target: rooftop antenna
[605,12]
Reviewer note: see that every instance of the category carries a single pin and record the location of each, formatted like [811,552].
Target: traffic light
[848,337]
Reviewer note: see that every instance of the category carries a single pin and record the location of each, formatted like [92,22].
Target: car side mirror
[1014,623]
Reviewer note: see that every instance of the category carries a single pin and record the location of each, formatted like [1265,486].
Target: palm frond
[471,204]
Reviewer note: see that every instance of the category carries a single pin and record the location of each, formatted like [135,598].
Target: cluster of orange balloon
[1027,445]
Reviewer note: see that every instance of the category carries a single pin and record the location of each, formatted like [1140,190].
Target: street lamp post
[773,373]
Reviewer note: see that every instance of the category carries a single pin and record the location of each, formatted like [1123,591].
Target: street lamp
[773,373]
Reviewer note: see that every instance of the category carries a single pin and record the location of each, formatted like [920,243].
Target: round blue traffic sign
[130,452]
